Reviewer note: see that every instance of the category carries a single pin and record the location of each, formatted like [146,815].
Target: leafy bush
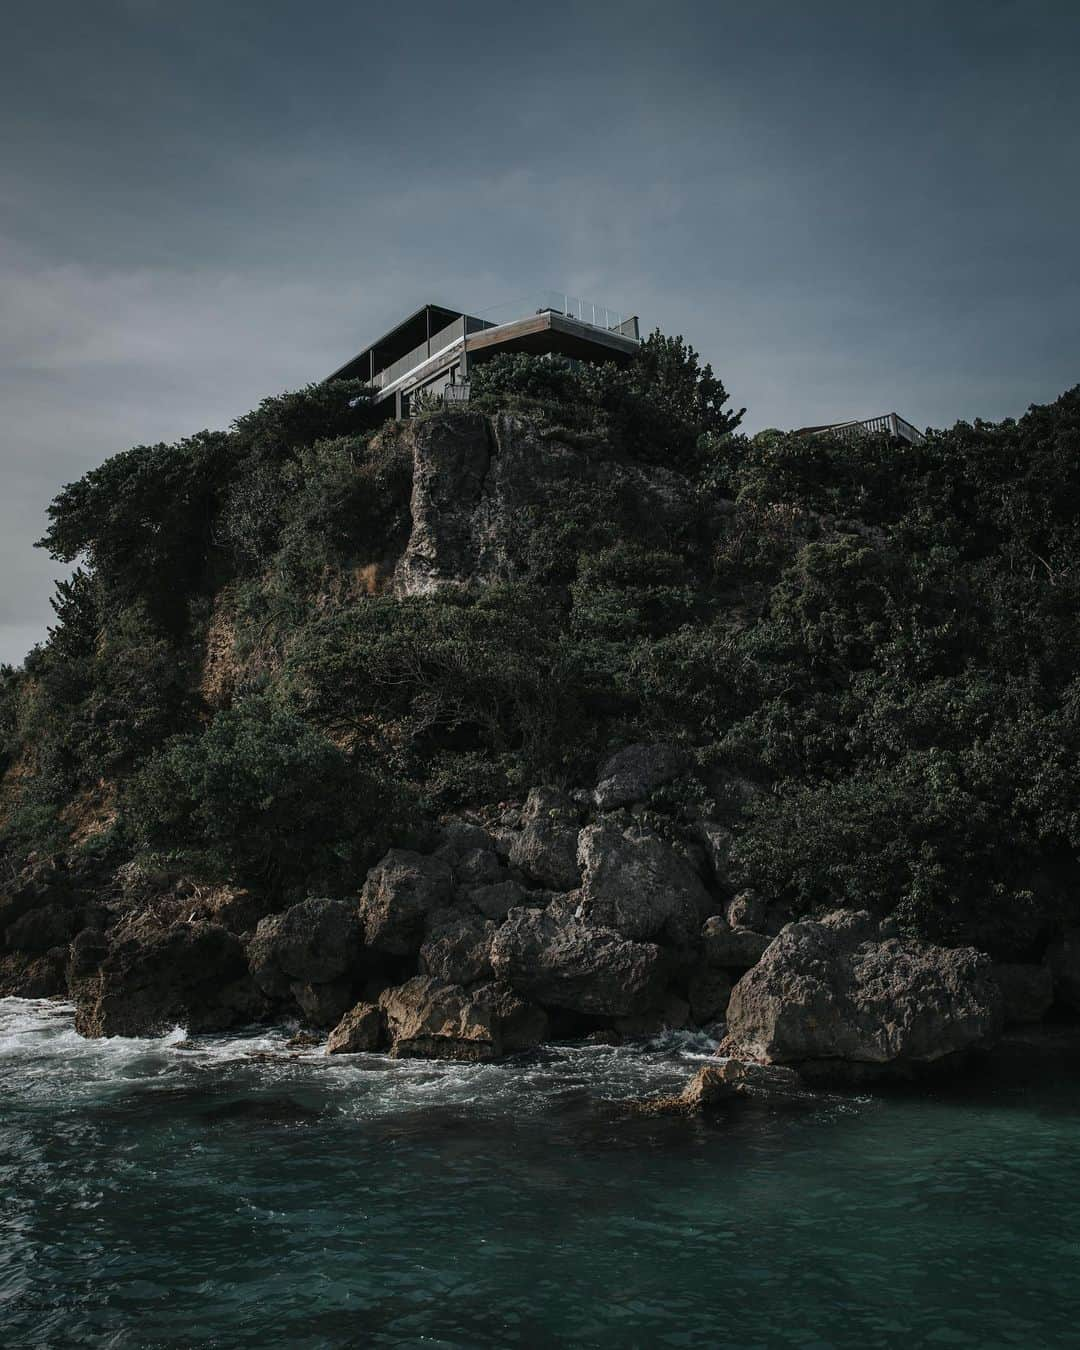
[261,795]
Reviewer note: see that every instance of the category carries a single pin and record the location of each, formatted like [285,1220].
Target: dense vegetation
[876,645]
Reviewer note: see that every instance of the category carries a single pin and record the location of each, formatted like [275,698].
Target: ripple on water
[225,1191]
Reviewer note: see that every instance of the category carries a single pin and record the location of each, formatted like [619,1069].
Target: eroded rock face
[400,892]
[634,882]
[832,990]
[360,1030]
[730,948]
[430,1019]
[546,849]
[457,948]
[315,942]
[477,482]
[497,900]
[322,1005]
[559,962]
[630,775]
[193,975]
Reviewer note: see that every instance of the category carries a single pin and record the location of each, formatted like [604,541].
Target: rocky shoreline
[569,916]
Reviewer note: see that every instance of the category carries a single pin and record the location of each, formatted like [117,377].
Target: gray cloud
[846,207]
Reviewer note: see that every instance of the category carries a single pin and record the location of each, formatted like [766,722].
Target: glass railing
[584,311]
[587,311]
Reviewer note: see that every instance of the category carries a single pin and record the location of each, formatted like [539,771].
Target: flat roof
[399,340]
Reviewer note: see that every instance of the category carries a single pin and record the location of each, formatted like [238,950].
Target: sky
[847,208]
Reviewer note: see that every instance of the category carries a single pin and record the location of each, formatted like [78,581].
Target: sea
[227,1191]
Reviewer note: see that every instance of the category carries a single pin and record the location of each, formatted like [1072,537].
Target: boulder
[470,851]
[194,975]
[635,883]
[560,962]
[23,975]
[428,1018]
[521,1025]
[40,930]
[314,942]
[832,990]
[457,948]
[400,892]
[1027,991]
[1063,962]
[322,1005]
[717,841]
[731,948]
[632,774]
[747,910]
[361,1029]
[497,900]
[724,1083]
[546,849]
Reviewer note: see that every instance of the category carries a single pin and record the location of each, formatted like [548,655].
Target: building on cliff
[888,424]
[434,349]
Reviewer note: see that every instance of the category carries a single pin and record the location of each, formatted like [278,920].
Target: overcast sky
[848,208]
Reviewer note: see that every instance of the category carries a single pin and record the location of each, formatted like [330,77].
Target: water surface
[224,1193]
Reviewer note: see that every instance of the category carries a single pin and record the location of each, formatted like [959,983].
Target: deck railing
[888,424]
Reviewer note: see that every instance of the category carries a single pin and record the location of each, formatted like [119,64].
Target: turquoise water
[163,1193]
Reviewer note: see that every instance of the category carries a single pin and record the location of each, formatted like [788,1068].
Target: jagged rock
[457,948]
[470,851]
[708,991]
[521,1025]
[722,1084]
[546,849]
[361,1029]
[193,975]
[830,990]
[1027,991]
[710,1086]
[561,963]
[746,910]
[314,942]
[427,1018]
[497,900]
[400,892]
[717,841]
[731,948]
[25,976]
[1063,961]
[458,838]
[322,1005]
[630,775]
[478,482]
[634,882]
[39,930]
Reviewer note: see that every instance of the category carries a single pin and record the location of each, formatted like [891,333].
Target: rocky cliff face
[478,482]
[613,909]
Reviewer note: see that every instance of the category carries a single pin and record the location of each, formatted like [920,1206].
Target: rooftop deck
[435,336]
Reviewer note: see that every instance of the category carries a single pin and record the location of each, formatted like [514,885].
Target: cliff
[562,707]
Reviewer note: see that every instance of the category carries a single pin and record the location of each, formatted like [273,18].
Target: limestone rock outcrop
[192,975]
[835,989]
[428,1018]
[361,1029]
[401,890]
[635,883]
[559,962]
[631,774]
